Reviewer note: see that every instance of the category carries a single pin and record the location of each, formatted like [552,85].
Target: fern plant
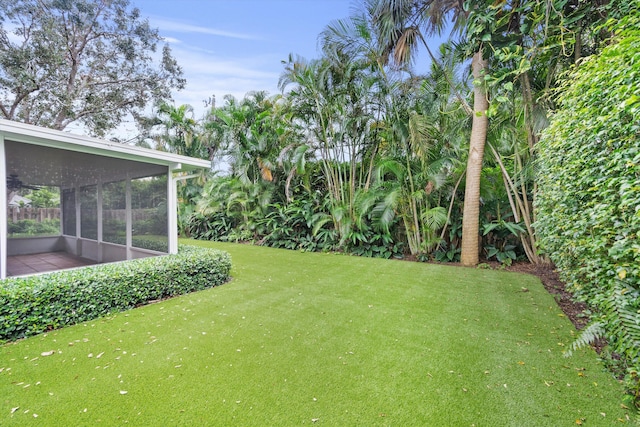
[618,322]
[587,337]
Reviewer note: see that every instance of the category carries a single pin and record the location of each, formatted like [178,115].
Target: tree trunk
[471,209]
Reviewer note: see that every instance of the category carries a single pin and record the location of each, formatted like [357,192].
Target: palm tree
[253,131]
[400,25]
[335,99]
[180,132]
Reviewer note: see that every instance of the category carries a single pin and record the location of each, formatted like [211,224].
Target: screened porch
[112,202]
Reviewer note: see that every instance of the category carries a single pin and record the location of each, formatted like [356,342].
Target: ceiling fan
[14,184]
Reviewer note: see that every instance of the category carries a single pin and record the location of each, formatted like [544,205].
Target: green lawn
[300,338]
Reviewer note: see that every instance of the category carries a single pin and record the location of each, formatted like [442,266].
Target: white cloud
[210,75]
[180,27]
[254,67]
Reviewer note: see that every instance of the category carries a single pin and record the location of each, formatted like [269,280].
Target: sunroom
[112,201]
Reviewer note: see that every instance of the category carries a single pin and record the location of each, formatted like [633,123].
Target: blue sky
[235,46]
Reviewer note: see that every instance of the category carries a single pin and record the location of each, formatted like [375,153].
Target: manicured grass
[299,338]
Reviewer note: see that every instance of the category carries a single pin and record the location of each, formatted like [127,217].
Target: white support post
[172,209]
[3,209]
[129,218]
[99,217]
[61,204]
[78,200]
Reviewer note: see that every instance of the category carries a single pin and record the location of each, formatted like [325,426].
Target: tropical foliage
[590,191]
[368,153]
[380,156]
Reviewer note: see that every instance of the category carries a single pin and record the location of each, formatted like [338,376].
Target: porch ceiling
[40,165]
[59,158]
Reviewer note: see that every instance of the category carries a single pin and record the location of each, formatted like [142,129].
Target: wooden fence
[15,213]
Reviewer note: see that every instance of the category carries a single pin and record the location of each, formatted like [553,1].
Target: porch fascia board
[30,134]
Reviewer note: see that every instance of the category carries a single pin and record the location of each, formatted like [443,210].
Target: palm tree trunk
[471,210]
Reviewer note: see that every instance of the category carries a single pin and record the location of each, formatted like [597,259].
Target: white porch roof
[36,135]
[41,156]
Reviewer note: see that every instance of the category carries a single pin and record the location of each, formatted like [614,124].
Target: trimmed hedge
[35,304]
[589,193]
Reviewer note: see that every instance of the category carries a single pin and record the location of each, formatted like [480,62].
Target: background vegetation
[590,193]
[365,154]
[82,61]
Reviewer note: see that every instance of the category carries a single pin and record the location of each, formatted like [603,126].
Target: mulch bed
[574,310]
[552,283]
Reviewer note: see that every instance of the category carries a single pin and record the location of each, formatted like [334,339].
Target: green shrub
[31,227]
[589,181]
[31,305]
[153,243]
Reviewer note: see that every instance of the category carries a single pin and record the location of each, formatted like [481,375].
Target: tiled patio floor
[19,265]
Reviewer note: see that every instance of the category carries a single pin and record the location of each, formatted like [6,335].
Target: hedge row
[35,304]
[588,205]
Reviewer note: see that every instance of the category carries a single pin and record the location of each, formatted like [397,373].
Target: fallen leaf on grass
[123,392]
[14,409]
[47,353]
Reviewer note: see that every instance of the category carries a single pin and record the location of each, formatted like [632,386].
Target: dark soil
[552,283]
[574,310]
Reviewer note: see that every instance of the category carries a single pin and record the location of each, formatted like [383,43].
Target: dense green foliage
[80,61]
[370,183]
[44,197]
[34,304]
[298,337]
[589,205]
[363,155]
[31,227]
